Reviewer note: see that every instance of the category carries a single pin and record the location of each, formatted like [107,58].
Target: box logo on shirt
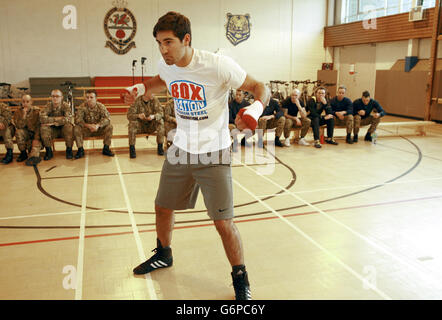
[190,100]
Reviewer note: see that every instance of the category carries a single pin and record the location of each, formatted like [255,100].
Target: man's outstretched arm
[151,86]
[248,117]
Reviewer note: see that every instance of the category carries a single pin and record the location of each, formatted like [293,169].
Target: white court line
[357,186]
[339,261]
[80,259]
[149,281]
[410,264]
[58,213]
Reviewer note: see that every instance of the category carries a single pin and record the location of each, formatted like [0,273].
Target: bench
[420,127]
[100,138]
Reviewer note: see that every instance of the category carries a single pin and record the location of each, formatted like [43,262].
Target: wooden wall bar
[389,28]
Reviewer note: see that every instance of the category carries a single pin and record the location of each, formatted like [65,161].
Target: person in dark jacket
[272,117]
[292,106]
[234,106]
[366,111]
[342,109]
[315,107]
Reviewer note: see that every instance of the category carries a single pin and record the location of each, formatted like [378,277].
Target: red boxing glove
[247,119]
[251,114]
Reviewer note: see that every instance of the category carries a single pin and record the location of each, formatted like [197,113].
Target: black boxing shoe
[161,259]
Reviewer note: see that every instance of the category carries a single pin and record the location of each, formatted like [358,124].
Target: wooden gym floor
[357,221]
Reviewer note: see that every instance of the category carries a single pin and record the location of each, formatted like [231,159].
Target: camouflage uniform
[275,123]
[136,125]
[95,115]
[169,116]
[28,129]
[8,132]
[289,124]
[62,128]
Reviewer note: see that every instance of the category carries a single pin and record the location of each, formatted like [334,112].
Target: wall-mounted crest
[237,28]
[120,28]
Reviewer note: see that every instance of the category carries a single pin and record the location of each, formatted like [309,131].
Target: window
[358,10]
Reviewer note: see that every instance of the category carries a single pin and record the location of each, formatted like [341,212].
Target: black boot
[107,151]
[368,137]
[241,285]
[277,142]
[80,153]
[355,138]
[49,155]
[8,157]
[69,154]
[349,140]
[160,150]
[23,156]
[132,152]
[161,259]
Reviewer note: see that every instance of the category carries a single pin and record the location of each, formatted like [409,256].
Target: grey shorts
[183,174]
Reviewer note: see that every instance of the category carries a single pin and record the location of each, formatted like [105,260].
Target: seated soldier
[291,107]
[26,120]
[7,131]
[272,117]
[234,106]
[91,120]
[145,116]
[315,107]
[56,122]
[342,110]
[366,111]
[169,121]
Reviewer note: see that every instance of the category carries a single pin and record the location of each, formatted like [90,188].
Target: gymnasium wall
[286,41]
[368,58]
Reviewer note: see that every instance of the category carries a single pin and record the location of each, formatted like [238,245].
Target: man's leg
[177,190]
[356,126]
[330,129]
[315,127]
[79,133]
[132,131]
[231,241]
[107,132]
[164,221]
[68,134]
[287,130]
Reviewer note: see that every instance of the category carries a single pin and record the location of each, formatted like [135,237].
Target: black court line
[40,187]
[237,216]
[51,168]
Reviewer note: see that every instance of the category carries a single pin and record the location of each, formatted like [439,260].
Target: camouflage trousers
[289,124]
[168,127]
[272,123]
[83,132]
[347,122]
[358,122]
[149,127]
[7,134]
[49,133]
[24,139]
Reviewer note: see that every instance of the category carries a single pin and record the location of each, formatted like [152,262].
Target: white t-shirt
[200,92]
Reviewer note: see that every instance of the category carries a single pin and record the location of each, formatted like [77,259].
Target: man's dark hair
[321,88]
[175,22]
[366,94]
[91,91]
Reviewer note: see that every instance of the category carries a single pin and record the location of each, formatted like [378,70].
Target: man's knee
[161,210]
[224,226]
